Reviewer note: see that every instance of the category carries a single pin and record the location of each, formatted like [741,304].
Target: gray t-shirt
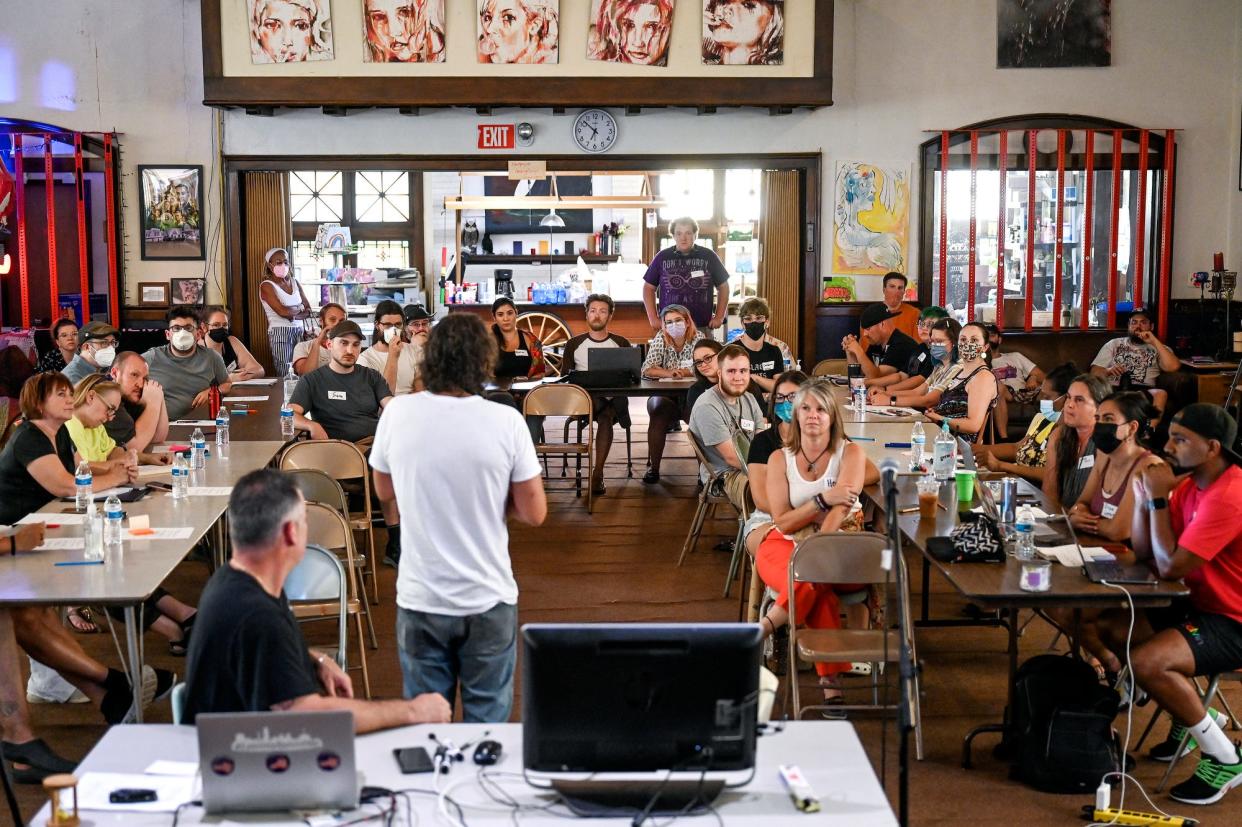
[184,377]
[79,369]
[347,405]
[714,421]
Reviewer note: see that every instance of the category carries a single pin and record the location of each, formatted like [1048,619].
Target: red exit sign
[496,136]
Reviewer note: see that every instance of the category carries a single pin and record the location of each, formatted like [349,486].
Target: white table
[828,752]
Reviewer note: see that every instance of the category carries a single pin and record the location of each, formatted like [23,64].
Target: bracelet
[818,499]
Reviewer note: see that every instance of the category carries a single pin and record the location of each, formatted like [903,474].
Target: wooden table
[1212,379]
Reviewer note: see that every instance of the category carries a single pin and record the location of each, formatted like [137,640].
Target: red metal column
[19,215]
[49,183]
[1088,234]
[944,216]
[970,244]
[84,278]
[1031,137]
[1140,228]
[1115,208]
[112,240]
[1166,231]
[1060,232]
[1000,233]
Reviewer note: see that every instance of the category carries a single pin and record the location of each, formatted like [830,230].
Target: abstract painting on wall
[871,222]
[630,31]
[1034,34]
[403,31]
[289,31]
[745,32]
[519,31]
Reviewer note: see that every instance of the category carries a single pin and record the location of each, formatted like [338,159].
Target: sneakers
[1129,690]
[1210,782]
[1166,750]
[77,697]
[117,705]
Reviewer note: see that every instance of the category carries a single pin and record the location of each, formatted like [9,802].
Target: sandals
[178,648]
[39,759]
[82,620]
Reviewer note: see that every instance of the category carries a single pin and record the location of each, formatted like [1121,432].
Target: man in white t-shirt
[1137,359]
[314,353]
[1019,379]
[456,465]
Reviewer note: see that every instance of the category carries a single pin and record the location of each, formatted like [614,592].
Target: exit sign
[496,136]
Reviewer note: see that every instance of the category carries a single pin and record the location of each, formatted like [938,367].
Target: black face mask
[755,330]
[1104,434]
[219,335]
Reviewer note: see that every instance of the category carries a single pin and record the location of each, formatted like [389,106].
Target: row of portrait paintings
[747,32]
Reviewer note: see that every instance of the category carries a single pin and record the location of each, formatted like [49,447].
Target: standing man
[96,351]
[456,595]
[685,274]
[906,316]
[889,351]
[186,370]
[599,310]
[142,419]
[1136,360]
[725,419]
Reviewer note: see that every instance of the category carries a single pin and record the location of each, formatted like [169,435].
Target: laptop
[967,454]
[277,761]
[1110,571]
[628,359]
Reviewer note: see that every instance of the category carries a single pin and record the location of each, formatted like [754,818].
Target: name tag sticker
[1108,511]
[922,356]
[697,274]
[748,424]
[521,353]
[339,395]
[768,366]
[1087,462]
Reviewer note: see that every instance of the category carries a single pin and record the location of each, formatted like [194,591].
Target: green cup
[966,485]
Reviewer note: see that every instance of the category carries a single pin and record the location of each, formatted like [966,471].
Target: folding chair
[830,367]
[626,426]
[328,529]
[569,401]
[708,502]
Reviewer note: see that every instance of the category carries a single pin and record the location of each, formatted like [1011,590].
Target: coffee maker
[504,283]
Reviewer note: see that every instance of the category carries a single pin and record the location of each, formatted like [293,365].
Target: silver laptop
[615,358]
[276,761]
[1110,571]
[967,454]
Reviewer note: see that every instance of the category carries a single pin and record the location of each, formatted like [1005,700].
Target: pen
[862,439]
[909,510]
[896,445]
[79,563]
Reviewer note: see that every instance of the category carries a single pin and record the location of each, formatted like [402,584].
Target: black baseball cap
[415,313]
[1211,422]
[346,328]
[873,314]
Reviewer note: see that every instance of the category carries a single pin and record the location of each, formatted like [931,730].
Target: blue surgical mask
[939,352]
[784,410]
[1045,408]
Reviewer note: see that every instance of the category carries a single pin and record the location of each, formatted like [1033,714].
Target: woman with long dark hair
[1071,449]
[966,403]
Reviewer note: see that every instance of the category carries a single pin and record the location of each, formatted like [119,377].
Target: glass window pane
[382,195]
[384,255]
[315,195]
[741,195]
[688,192]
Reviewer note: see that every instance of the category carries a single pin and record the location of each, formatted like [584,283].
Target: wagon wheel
[551,332]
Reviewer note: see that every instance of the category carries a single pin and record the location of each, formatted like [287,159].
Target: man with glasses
[96,351]
[184,369]
[313,353]
[417,324]
[768,355]
[1136,360]
[1018,378]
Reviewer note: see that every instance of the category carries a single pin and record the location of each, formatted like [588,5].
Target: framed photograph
[191,291]
[1053,35]
[170,202]
[152,294]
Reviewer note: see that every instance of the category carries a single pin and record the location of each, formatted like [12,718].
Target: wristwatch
[1156,503]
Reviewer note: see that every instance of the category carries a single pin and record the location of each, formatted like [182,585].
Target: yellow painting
[871,225]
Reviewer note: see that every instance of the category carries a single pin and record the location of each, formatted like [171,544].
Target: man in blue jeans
[456,596]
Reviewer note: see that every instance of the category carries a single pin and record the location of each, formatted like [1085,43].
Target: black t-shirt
[20,493]
[347,405]
[247,653]
[765,444]
[695,391]
[768,362]
[122,427]
[896,354]
[921,362]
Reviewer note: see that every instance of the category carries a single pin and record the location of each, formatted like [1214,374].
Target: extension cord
[1108,815]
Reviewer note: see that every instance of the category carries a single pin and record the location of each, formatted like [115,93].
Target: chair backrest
[177,701]
[699,452]
[319,578]
[840,557]
[557,400]
[338,458]
[327,527]
[826,367]
[318,487]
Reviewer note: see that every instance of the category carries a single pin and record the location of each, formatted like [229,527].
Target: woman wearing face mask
[670,355]
[965,404]
[238,360]
[1107,501]
[1070,455]
[706,369]
[1028,457]
[286,306]
[926,393]
[766,443]
[64,347]
[390,354]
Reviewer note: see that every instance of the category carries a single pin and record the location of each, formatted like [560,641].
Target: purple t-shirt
[689,279]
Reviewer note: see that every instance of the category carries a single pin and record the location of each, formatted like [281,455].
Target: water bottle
[83,480]
[198,450]
[180,477]
[918,441]
[286,422]
[788,365]
[113,515]
[222,432]
[92,534]
[860,399]
[291,380]
[1025,529]
[944,458]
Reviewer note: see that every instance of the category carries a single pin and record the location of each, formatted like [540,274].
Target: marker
[79,563]
[896,445]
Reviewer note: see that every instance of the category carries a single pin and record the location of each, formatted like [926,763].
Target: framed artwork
[630,31]
[171,208]
[152,294]
[744,32]
[289,31]
[519,31]
[1048,35]
[192,291]
[403,31]
[871,219]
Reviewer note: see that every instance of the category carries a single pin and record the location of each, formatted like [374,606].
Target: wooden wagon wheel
[550,331]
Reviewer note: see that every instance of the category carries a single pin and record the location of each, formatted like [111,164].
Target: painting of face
[630,31]
[519,31]
[403,31]
[743,31]
[289,31]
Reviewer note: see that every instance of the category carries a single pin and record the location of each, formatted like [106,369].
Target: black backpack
[1061,726]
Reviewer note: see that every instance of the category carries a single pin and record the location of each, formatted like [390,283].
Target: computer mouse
[487,753]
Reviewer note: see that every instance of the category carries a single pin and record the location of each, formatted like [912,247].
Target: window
[688,192]
[382,195]
[316,195]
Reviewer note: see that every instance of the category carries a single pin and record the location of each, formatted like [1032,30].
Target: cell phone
[159,486]
[413,760]
[131,796]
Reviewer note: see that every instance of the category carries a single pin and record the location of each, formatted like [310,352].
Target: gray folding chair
[318,585]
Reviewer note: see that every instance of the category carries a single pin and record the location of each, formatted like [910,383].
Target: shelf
[589,258]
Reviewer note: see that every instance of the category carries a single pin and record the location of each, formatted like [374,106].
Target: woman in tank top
[286,306]
[966,403]
[813,484]
[1071,449]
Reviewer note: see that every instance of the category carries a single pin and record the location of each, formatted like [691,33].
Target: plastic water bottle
[1024,526]
[918,441]
[198,450]
[286,422]
[222,432]
[180,477]
[113,515]
[944,458]
[860,399]
[291,382]
[92,534]
[83,482]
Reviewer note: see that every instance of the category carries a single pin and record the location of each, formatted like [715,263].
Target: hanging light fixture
[552,220]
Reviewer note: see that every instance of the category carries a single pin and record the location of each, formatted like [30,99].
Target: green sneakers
[1166,750]
[1210,782]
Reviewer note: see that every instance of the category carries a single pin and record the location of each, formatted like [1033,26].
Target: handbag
[977,539]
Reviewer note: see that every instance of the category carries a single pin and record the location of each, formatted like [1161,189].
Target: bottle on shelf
[222,432]
[918,441]
[944,458]
[113,516]
[180,477]
[83,482]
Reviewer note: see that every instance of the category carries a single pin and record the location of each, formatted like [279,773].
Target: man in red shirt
[1191,531]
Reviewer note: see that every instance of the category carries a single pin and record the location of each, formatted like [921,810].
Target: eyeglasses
[111,409]
[105,342]
[706,360]
[176,328]
[422,325]
[784,397]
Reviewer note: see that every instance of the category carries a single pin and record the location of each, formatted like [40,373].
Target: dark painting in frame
[1053,34]
[170,204]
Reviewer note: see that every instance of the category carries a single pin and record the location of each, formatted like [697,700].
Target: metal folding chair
[569,401]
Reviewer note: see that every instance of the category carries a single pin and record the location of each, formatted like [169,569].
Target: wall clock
[595,130]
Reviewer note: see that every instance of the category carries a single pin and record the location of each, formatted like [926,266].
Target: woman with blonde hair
[670,355]
[95,401]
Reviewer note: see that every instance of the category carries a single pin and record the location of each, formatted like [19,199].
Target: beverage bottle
[1024,526]
[944,459]
[213,400]
[222,432]
[291,382]
[180,477]
[918,441]
[860,399]
[92,534]
[198,450]
[113,515]
[286,421]
[83,480]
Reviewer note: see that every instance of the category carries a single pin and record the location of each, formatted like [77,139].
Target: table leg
[133,632]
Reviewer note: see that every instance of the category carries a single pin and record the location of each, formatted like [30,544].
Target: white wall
[901,67]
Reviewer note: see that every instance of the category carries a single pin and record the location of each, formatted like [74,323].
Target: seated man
[769,356]
[1190,530]
[96,351]
[906,316]
[1020,379]
[599,310]
[313,353]
[890,349]
[247,653]
[725,419]
[142,419]
[238,360]
[1136,360]
[185,369]
[921,362]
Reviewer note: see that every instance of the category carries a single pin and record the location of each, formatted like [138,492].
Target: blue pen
[896,445]
[862,439]
[79,563]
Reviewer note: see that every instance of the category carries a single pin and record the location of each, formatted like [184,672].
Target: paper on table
[1067,555]
[153,470]
[62,544]
[202,423]
[210,490]
[158,449]
[228,399]
[182,533]
[185,769]
[140,522]
[171,791]
[270,380]
[58,519]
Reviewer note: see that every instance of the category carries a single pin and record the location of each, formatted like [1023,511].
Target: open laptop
[1111,571]
[628,359]
[276,761]
[967,454]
